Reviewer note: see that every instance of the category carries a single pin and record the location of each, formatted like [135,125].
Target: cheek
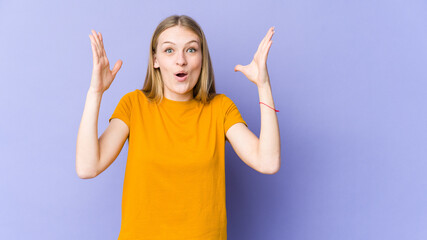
[164,64]
[197,70]
[197,63]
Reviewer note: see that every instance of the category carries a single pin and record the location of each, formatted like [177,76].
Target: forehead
[178,35]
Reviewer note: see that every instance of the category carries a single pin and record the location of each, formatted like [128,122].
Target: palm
[102,76]
[101,70]
[256,71]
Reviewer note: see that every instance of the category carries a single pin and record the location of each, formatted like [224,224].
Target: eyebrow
[185,44]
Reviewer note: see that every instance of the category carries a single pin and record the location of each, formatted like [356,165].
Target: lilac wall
[349,79]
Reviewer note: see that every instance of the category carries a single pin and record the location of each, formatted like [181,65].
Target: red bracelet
[269,106]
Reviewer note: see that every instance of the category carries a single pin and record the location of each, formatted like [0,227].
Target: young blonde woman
[176,126]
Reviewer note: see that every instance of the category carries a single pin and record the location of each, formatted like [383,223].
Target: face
[179,57]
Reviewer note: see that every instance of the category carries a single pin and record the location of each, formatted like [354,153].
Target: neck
[179,97]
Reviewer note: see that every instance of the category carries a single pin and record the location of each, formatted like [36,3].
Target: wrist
[92,90]
[264,84]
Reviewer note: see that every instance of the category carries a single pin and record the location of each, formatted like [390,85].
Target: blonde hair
[204,90]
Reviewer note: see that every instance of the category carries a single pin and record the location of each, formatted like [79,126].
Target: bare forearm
[87,150]
[269,140]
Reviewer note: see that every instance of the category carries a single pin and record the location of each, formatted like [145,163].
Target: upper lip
[181,72]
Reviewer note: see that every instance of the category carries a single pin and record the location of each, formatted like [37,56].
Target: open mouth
[181,74]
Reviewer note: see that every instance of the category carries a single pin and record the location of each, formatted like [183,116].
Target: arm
[269,145]
[262,154]
[87,147]
[93,155]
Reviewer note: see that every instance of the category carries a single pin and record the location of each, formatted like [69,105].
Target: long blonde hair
[204,90]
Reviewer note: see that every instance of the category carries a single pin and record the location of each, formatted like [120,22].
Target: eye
[168,50]
[192,50]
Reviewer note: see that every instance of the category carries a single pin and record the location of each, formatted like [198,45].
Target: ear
[156,63]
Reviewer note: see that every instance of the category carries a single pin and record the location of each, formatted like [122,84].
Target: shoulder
[130,94]
[220,99]
[133,95]
[136,93]
[217,102]
[127,100]
[225,101]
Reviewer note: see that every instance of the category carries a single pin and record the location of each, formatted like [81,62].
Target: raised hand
[102,76]
[256,71]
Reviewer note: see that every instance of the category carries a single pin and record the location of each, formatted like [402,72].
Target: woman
[176,126]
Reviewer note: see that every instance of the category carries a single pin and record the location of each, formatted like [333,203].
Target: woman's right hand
[102,76]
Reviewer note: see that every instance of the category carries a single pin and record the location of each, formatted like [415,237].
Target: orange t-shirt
[174,186]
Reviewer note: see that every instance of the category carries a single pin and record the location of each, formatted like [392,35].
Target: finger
[267,43]
[268,49]
[102,44]
[238,68]
[272,31]
[100,39]
[262,45]
[100,36]
[93,37]
[94,51]
[268,36]
[117,67]
[98,44]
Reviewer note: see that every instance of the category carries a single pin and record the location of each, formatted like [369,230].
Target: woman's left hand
[256,71]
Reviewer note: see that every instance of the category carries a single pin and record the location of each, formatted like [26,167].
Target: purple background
[349,79]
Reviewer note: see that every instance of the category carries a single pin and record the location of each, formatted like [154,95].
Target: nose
[181,60]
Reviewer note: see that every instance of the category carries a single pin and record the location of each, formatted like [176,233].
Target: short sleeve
[123,109]
[231,114]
